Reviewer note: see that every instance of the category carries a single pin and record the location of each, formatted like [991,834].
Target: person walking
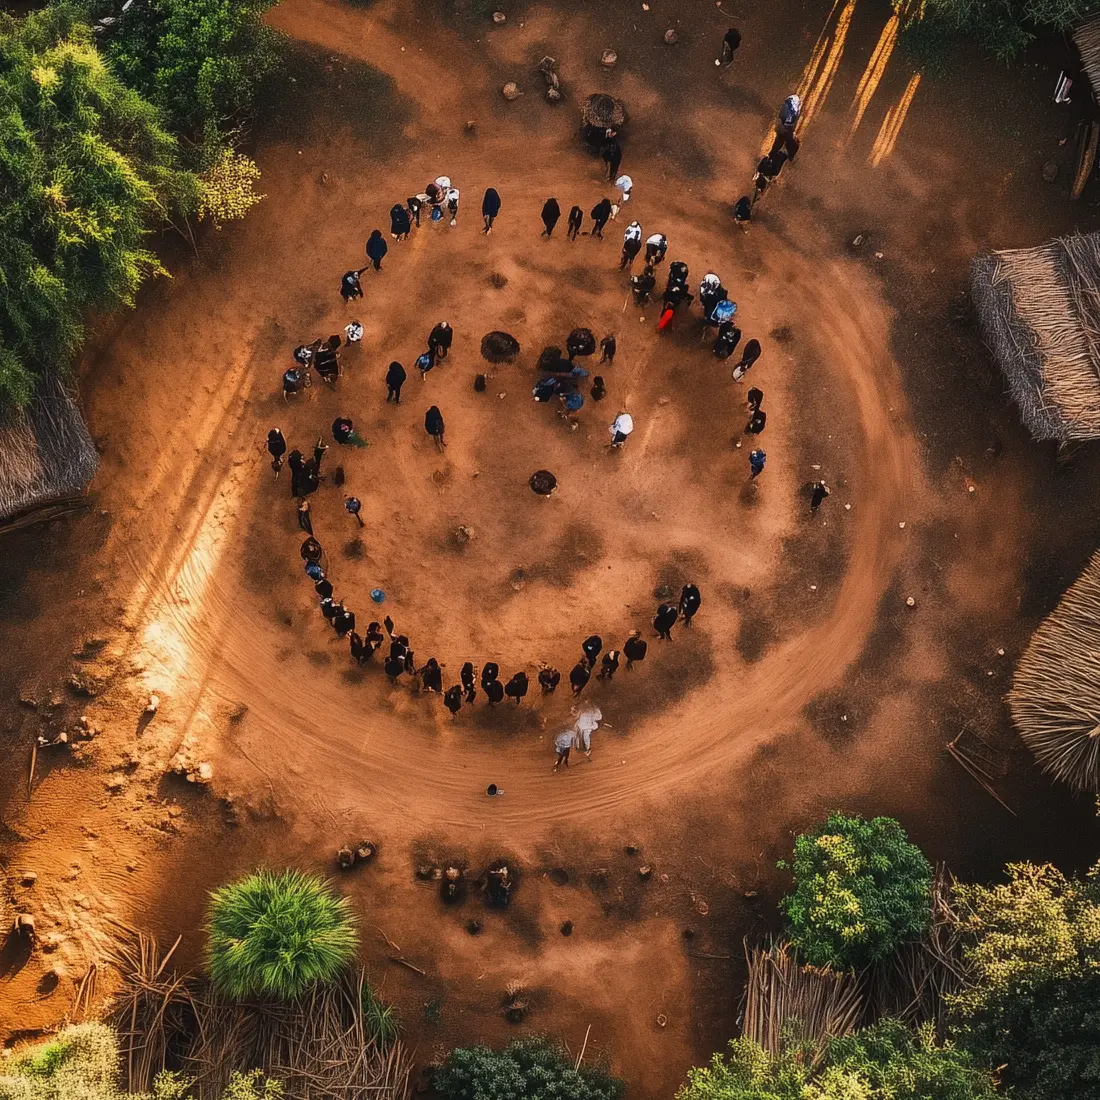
[757,458]
[608,348]
[352,506]
[431,676]
[310,550]
[731,40]
[319,449]
[756,422]
[433,425]
[742,211]
[451,197]
[394,667]
[749,354]
[611,153]
[591,647]
[656,246]
[664,621]
[467,676]
[626,186]
[609,665]
[620,429]
[400,225]
[424,363]
[563,742]
[395,379]
[818,493]
[357,649]
[295,462]
[642,285]
[377,249]
[599,390]
[578,676]
[353,332]
[576,216]
[344,623]
[588,721]
[689,602]
[305,521]
[725,343]
[326,360]
[494,691]
[440,340]
[763,176]
[374,637]
[632,245]
[600,214]
[276,447]
[343,431]
[634,649]
[415,204]
[754,398]
[550,214]
[490,208]
[323,588]
[549,678]
[349,285]
[516,688]
[452,700]
[489,673]
[785,140]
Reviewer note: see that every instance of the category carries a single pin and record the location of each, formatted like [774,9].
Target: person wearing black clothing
[326,362]
[323,588]
[591,647]
[516,688]
[439,341]
[276,447]
[549,678]
[494,690]
[410,664]
[729,336]
[330,609]
[400,225]
[374,637]
[608,347]
[612,155]
[489,673]
[395,379]
[414,205]
[311,550]
[756,422]
[467,676]
[344,622]
[755,398]
[576,216]
[294,461]
[387,622]
[578,676]
[600,214]
[742,210]
[452,700]
[356,647]
[642,285]
[609,665]
[818,493]
[778,157]
[394,667]
[377,249]
[664,621]
[550,214]
[305,521]
[689,602]
[749,354]
[730,41]
[490,208]
[349,285]
[434,426]
[655,248]
[398,648]
[319,449]
[634,648]
[431,676]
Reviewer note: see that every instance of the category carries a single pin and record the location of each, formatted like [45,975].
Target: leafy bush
[533,1069]
[861,889]
[226,191]
[87,169]
[886,1062]
[1032,1003]
[275,935]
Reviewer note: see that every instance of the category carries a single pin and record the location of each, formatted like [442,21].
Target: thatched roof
[603,110]
[45,451]
[499,347]
[1039,309]
[1055,696]
[1087,38]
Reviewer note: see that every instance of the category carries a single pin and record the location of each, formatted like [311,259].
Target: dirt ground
[807,683]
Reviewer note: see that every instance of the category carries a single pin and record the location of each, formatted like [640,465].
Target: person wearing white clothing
[588,721]
[625,184]
[632,244]
[655,248]
[621,427]
[452,203]
[562,744]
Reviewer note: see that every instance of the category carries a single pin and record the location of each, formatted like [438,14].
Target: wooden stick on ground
[584,1047]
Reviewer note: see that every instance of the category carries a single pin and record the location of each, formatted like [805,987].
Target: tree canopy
[861,889]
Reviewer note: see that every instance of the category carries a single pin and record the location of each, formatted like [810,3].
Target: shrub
[275,935]
[533,1069]
[886,1062]
[226,191]
[861,889]
[1033,991]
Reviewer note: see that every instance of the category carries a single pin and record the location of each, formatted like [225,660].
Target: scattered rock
[631,850]
[511,91]
[1000,652]
[345,858]
[553,94]
[463,534]
[27,699]
[28,878]
[426,872]
[910,602]
[470,127]
[115,785]
[608,59]
[187,765]
[1050,172]
[499,17]
[566,928]
[645,873]
[671,37]
[84,685]
[152,706]
[473,927]
[23,925]
[51,942]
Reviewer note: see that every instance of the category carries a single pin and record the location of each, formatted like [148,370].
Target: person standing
[305,521]
[608,348]
[599,390]
[467,676]
[576,216]
[352,506]
[343,431]
[489,672]
[490,208]
[415,205]
[424,363]
[725,343]
[431,676]
[400,226]
[591,647]
[664,621]
[757,459]
[550,214]
[377,249]
[625,185]
[749,354]
[731,40]
[600,213]
[563,742]
[611,153]
[641,286]
[395,379]
[609,665]
[452,700]
[588,721]
[634,648]
[549,678]
[754,399]
[578,676]
[690,601]
[655,248]
[434,426]
[439,341]
[516,688]
[276,447]
[350,286]
[621,427]
[494,691]
[451,196]
[756,422]
[818,493]
[632,245]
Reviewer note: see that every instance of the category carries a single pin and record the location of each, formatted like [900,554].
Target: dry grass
[1055,696]
[1087,38]
[1039,310]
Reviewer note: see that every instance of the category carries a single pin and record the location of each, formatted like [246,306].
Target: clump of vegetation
[886,1062]
[861,889]
[380,1019]
[1033,963]
[275,935]
[227,188]
[534,1069]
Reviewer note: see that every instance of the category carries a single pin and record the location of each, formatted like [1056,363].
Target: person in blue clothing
[757,458]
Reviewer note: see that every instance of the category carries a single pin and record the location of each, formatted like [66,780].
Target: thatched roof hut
[1039,310]
[603,110]
[45,451]
[1087,39]
[1055,696]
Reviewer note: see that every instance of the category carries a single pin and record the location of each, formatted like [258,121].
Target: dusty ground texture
[807,683]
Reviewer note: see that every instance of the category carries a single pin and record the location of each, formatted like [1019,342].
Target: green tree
[87,169]
[886,1062]
[275,935]
[1032,1002]
[531,1069]
[861,889]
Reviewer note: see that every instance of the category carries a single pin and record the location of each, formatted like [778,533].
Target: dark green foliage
[275,935]
[200,61]
[861,889]
[531,1069]
[886,1062]
[85,168]
[1032,1004]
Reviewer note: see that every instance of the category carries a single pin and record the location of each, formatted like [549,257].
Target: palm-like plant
[275,935]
